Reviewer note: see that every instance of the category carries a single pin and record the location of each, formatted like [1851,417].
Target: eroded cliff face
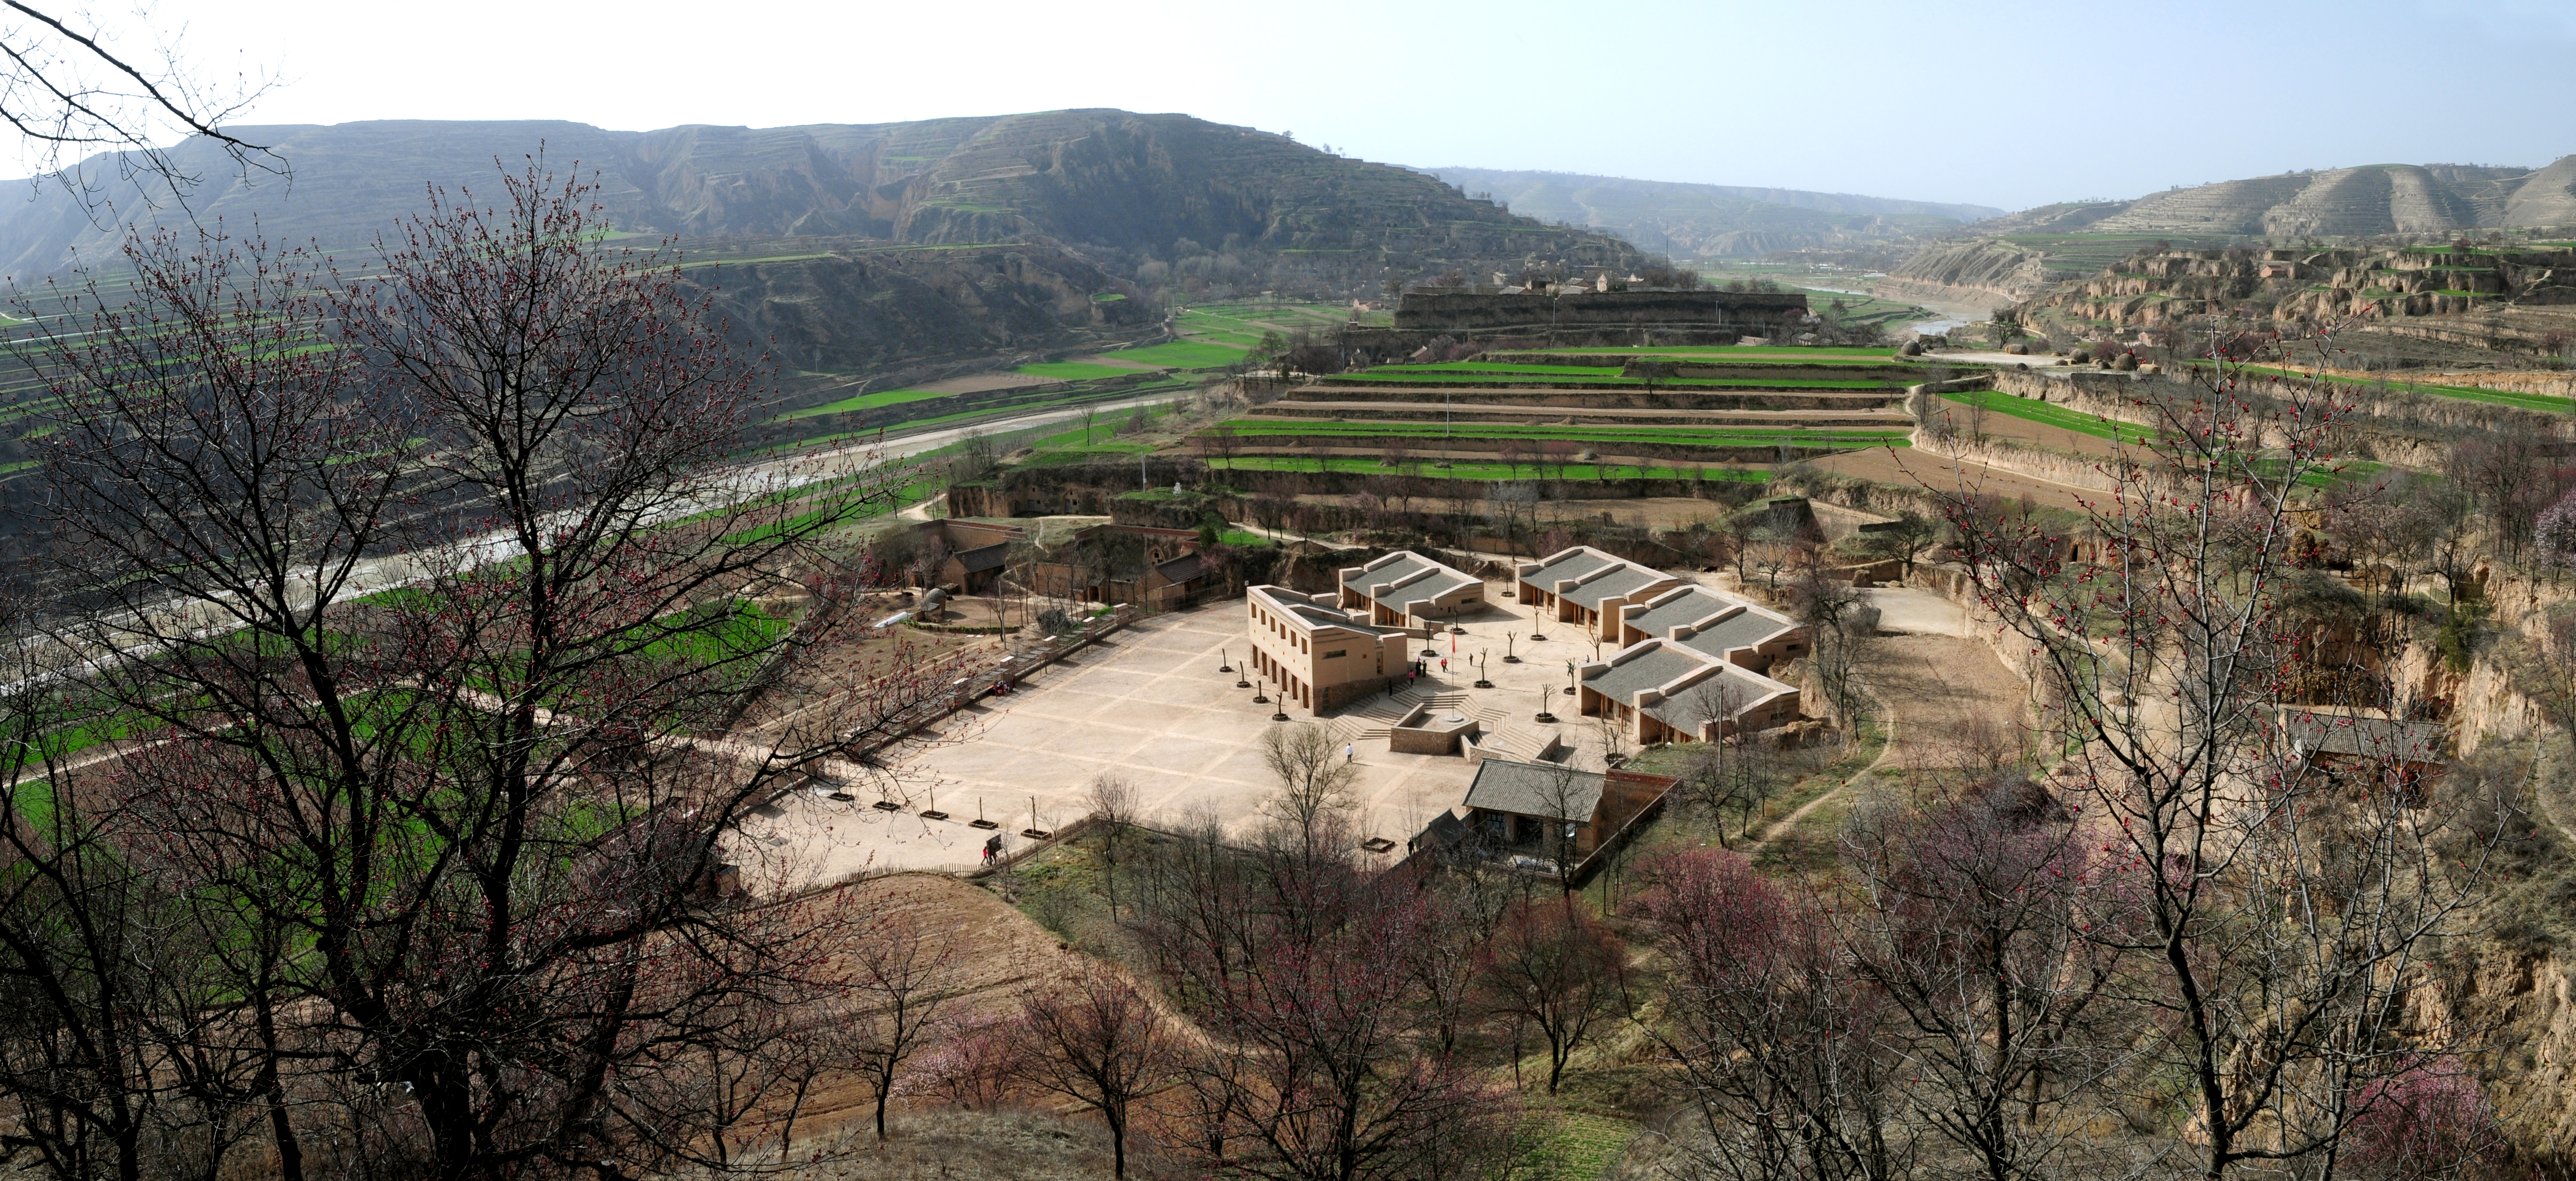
[2526,1003]
[1988,268]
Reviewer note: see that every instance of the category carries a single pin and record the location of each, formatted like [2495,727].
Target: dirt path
[1789,823]
[1943,699]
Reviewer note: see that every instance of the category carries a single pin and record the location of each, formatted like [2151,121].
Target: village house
[1408,590]
[1589,588]
[1126,564]
[1663,690]
[1703,620]
[1545,811]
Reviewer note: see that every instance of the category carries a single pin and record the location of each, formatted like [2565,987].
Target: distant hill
[1710,221]
[861,227]
[2338,202]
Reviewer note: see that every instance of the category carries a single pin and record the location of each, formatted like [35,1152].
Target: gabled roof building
[1589,588]
[1405,589]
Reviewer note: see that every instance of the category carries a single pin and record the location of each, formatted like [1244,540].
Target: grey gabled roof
[1183,568]
[1405,564]
[1570,564]
[1434,579]
[1549,791]
[986,557]
[1673,608]
[1744,688]
[1750,629]
[1648,665]
[1616,584]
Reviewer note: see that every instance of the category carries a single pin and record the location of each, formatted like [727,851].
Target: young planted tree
[1099,1042]
[1722,772]
[2286,912]
[1775,1039]
[1113,801]
[902,969]
[1551,966]
[422,581]
[1971,916]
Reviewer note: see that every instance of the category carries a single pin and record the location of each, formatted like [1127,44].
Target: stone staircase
[1516,742]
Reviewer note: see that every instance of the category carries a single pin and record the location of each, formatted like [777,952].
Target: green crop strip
[1180,354]
[2541,402]
[1497,471]
[1072,370]
[2057,416]
[1253,429]
[1505,379]
[868,402]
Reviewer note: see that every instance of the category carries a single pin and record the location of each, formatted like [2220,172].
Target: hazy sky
[1999,103]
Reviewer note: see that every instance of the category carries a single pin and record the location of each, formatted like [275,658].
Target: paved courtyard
[1149,705]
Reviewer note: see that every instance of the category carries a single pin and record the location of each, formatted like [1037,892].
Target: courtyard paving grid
[1149,705]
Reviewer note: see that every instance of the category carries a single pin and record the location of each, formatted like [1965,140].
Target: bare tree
[429,572]
[1113,801]
[67,90]
[1550,964]
[901,978]
[1776,1042]
[1316,783]
[1972,918]
[1099,1042]
[2287,915]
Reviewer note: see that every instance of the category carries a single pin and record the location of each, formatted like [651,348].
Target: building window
[1334,655]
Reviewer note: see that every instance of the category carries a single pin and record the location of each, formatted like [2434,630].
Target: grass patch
[1181,354]
[1809,847]
[2047,414]
[1497,471]
[868,402]
[1570,1145]
[1072,370]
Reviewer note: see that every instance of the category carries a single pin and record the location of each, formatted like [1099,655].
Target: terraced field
[2048,414]
[1785,405]
[2542,402]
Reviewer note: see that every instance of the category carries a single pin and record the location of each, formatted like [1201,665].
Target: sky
[1996,103]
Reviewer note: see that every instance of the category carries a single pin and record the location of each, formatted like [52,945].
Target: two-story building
[1316,656]
[1588,588]
[1406,589]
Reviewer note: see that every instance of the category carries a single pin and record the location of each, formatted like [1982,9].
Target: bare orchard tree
[1972,915]
[1551,966]
[1095,1039]
[1778,1044]
[2286,912]
[902,977]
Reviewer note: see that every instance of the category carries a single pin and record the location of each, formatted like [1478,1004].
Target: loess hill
[866,246]
[1713,221]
